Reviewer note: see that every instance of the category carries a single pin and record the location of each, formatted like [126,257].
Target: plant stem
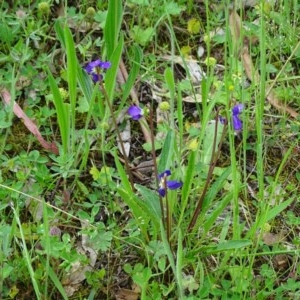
[214,159]
[118,134]
[169,214]
[155,164]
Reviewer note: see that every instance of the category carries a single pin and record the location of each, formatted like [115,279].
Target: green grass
[88,222]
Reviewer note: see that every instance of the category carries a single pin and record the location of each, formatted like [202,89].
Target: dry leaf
[126,137]
[280,262]
[125,294]
[194,69]
[272,238]
[197,98]
[27,122]
[72,280]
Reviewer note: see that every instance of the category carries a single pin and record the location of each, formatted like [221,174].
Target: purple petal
[222,120]
[90,67]
[135,112]
[165,173]
[173,184]
[96,77]
[237,123]
[162,192]
[105,65]
[237,109]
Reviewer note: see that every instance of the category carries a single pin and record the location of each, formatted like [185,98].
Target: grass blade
[26,255]
[111,75]
[72,77]
[134,71]
[167,152]
[62,111]
[112,26]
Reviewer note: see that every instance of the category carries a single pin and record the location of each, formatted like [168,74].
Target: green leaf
[216,188]
[95,173]
[100,17]
[71,74]
[272,213]
[166,156]
[111,74]
[148,146]
[142,278]
[101,240]
[271,68]
[138,209]
[216,212]
[113,26]
[62,112]
[233,245]
[134,71]
[142,36]
[152,201]
[123,176]
[140,2]
[172,8]
[60,33]
[56,281]
[85,83]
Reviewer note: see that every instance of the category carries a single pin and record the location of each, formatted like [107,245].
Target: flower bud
[164,106]
[44,8]
[210,61]
[89,14]
[104,125]
[63,93]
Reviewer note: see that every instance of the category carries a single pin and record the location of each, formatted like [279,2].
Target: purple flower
[55,231]
[93,68]
[135,112]
[169,184]
[222,120]
[236,121]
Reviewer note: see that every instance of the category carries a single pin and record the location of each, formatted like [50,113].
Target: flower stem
[118,134]
[169,214]
[155,164]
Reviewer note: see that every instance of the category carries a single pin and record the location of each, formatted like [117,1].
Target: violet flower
[135,112]
[93,68]
[170,184]
[236,121]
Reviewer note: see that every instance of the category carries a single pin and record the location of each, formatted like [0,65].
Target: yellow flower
[231,87]
[193,145]
[193,26]
[63,93]
[185,50]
